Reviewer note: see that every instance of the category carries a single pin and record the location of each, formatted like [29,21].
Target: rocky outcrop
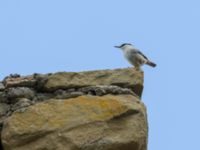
[126,78]
[94,110]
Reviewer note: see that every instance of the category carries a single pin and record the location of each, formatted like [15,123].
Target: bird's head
[124,46]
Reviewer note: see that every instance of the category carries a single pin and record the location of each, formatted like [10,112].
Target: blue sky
[48,36]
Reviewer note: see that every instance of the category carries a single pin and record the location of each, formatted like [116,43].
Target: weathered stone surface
[4,108]
[41,79]
[62,94]
[2,97]
[27,81]
[98,90]
[20,92]
[2,87]
[93,110]
[4,111]
[21,103]
[43,96]
[83,123]
[105,89]
[126,78]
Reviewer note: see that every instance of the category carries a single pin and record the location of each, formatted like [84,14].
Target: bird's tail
[151,64]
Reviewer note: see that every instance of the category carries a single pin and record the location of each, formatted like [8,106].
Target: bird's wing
[139,52]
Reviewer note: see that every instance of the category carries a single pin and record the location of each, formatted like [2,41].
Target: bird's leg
[137,68]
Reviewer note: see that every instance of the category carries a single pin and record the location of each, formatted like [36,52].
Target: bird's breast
[128,54]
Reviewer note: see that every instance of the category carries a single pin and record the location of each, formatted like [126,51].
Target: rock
[105,89]
[20,92]
[4,108]
[41,79]
[21,103]
[15,75]
[2,87]
[92,90]
[83,123]
[43,96]
[17,81]
[4,111]
[92,110]
[62,94]
[126,78]
[3,98]
[12,76]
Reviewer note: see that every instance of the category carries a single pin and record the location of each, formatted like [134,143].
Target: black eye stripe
[125,44]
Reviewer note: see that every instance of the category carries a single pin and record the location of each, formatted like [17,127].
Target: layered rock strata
[93,110]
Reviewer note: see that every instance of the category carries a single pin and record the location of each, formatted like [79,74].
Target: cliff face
[94,110]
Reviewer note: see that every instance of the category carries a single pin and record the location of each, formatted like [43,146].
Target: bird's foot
[138,69]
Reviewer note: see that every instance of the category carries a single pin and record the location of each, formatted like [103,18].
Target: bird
[134,56]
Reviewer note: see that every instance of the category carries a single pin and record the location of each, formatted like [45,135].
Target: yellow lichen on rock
[64,116]
[90,110]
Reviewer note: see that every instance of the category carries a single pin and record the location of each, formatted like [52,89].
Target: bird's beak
[117,46]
